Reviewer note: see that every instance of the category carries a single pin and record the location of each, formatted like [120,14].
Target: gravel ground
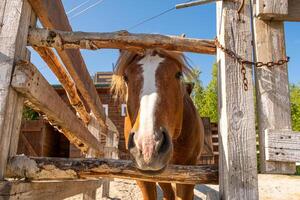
[128,190]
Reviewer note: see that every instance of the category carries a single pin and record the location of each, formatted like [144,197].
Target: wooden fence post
[237,138]
[14,24]
[272,89]
[112,140]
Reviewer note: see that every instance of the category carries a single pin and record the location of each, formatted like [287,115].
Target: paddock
[235,47]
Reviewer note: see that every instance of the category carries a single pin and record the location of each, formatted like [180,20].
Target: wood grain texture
[237,141]
[28,81]
[117,40]
[37,190]
[282,145]
[14,24]
[65,168]
[272,8]
[66,81]
[272,89]
[112,141]
[52,15]
[293,12]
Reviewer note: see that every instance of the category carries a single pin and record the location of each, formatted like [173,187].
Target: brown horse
[162,125]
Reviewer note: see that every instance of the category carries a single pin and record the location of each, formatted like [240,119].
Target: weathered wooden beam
[293,11]
[272,8]
[52,15]
[282,145]
[117,40]
[14,24]
[237,137]
[65,168]
[54,190]
[64,78]
[68,84]
[112,141]
[272,89]
[28,81]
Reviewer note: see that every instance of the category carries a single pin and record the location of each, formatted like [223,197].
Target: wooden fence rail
[117,40]
[28,81]
[66,168]
[52,15]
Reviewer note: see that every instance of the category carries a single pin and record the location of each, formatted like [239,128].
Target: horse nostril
[130,143]
[164,142]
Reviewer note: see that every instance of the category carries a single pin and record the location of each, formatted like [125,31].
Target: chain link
[244,62]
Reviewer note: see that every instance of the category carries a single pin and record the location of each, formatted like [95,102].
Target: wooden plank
[282,139]
[65,168]
[282,145]
[117,40]
[64,78]
[208,144]
[272,89]
[52,15]
[282,155]
[272,8]
[28,81]
[112,141]
[293,13]
[90,195]
[237,162]
[54,190]
[14,22]
[28,145]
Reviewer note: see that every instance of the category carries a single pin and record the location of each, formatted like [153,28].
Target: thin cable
[84,10]
[76,7]
[151,18]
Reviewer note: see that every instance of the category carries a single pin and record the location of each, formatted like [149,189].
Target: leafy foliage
[206,99]
[295,106]
[30,114]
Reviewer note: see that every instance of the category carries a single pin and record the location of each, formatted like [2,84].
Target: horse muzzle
[151,153]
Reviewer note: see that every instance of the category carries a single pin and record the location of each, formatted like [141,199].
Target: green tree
[198,90]
[295,106]
[30,114]
[209,107]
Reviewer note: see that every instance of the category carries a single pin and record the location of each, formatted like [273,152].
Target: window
[123,110]
[105,106]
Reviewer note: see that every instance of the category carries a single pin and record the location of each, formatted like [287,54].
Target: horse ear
[189,86]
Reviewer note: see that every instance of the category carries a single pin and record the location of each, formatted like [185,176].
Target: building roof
[100,79]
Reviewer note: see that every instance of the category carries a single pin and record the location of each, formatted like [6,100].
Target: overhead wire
[153,17]
[86,9]
[77,7]
[150,18]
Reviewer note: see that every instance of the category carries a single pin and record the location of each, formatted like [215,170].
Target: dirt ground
[271,187]
[128,190]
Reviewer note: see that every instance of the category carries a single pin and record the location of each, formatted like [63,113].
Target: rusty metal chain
[244,62]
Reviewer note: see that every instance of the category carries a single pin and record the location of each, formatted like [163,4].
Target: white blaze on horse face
[148,99]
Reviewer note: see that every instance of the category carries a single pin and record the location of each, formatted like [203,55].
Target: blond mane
[118,85]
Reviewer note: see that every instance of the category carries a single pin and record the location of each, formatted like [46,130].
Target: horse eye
[125,78]
[178,75]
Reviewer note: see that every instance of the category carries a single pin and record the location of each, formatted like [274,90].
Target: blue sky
[195,22]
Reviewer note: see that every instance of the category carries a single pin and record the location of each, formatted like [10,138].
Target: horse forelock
[118,87]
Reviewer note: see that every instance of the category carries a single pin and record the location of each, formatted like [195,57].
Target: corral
[22,82]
